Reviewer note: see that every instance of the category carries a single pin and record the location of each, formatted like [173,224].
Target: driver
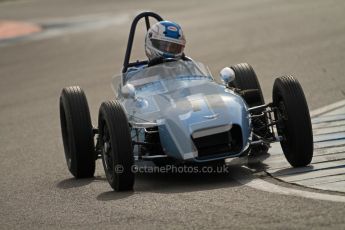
[163,40]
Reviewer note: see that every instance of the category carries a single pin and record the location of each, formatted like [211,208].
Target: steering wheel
[160,60]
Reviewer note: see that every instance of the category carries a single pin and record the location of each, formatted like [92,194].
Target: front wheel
[77,134]
[116,142]
[295,125]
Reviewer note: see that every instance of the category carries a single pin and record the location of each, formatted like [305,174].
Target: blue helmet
[164,39]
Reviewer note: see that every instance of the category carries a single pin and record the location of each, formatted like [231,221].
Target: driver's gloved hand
[155,61]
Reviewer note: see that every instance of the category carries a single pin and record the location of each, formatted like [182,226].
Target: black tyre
[295,126]
[77,132]
[115,139]
[246,79]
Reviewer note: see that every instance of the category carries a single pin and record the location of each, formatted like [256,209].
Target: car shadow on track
[170,183]
[257,162]
[75,183]
[179,183]
[112,195]
[295,171]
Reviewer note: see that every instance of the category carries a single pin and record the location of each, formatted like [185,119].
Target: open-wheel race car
[174,112]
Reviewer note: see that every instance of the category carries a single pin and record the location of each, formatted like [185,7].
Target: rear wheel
[295,125]
[77,132]
[116,142]
[246,79]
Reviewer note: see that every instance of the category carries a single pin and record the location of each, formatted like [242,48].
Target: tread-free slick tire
[296,129]
[245,78]
[113,127]
[77,132]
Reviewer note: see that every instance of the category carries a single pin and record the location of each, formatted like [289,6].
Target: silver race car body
[197,118]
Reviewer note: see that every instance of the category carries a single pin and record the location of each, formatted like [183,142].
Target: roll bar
[145,15]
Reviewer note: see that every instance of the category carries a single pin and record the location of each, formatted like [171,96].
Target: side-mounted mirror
[227,75]
[128,91]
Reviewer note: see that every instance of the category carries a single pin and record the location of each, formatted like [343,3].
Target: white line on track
[259,184]
[327,108]
[245,178]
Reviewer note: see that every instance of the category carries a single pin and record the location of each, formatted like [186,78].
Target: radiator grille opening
[224,142]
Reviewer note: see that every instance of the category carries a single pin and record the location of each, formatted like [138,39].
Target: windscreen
[172,87]
[176,70]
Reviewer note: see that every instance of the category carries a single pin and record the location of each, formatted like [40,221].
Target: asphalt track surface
[303,38]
